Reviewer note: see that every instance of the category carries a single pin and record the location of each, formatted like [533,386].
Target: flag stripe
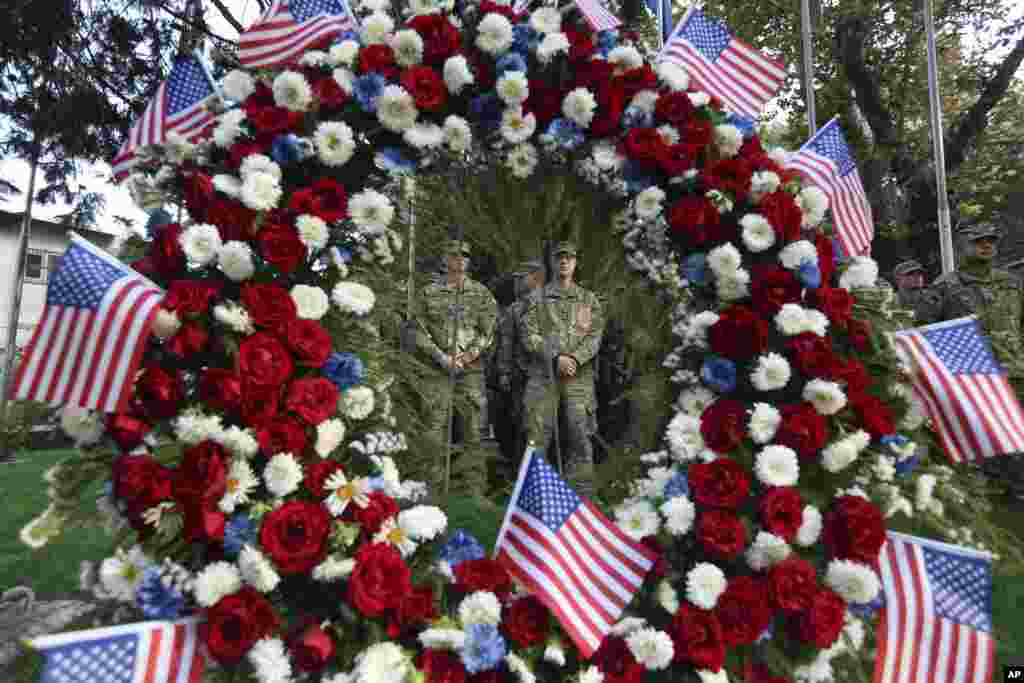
[68,327]
[121,356]
[278,38]
[45,342]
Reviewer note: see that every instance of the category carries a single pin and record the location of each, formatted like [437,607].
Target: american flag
[726,67]
[289,28]
[826,161]
[89,341]
[568,554]
[964,389]
[937,622]
[145,652]
[662,11]
[179,106]
[597,15]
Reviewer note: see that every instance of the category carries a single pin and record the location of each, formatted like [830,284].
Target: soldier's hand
[446,361]
[566,366]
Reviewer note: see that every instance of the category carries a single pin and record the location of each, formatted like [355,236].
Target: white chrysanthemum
[705,583]
[494,34]
[724,259]
[694,401]
[684,437]
[215,581]
[554,652]
[121,574]
[270,661]
[645,101]
[625,57]
[423,522]
[579,106]
[699,324]
[341,491]
[518,666]
[771,372]
[651,648]
[457,74]
[241,480]
[256,570]
[292,91]
[764,422]
[371,211]
[827,397]
[356,403]
[591,675]
[376,28]
[522,160]
[627,625]
[791,319]
[862,272]
[924,489]
[234,317]
[795,253]
[481,607]
[353,297]
[638,519]
[192,427]
[855,582]
[314,58]
[653,485]
[814,203]
[335,143]
[673,76]
[396,108]
[345,79]
[344,53]
[259,163]
[699,98]
[200,243]
[333,567]
[442,638]
[546,20]
[816,322]
[762,183]
[261,191]
[667,596]
[237,85]
[707,676]
[728,140]
[679,513]
[777,466]
[810,528]
[839,455]
[312,231]
[551,45]
[424,135]
[818,671]
[329,435]
[235,261]
[758,234]
[458,136]
[517,126]
[238,441]
[766,551]
[408,47]
[512,88]
[283,474]
[83,426]
[311,303]
[607,157]
[227,185]
[734,285]
[382,663]
[229,128]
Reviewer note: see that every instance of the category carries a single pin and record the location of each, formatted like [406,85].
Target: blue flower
[695,268]
[513,61]
[719,374]
[608,39]
[488,110]
[392,160]
[459,548]
[867,609]
[239,531]
[344,369]
[286,149]
[524,39]
[678,485]
[484,648]
[809,274]
[347,35]
[636,177]
[746,126]
[367,89]
[157,600]
[635,117]
[904,465]
[158,218]
[566,133]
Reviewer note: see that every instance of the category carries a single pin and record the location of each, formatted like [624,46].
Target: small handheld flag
[597,15]
[289,28]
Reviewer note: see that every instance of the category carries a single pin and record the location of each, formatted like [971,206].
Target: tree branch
[851,38]
[228,16]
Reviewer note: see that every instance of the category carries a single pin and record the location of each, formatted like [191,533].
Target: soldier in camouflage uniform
[456,298]
[561,333]
[911,293]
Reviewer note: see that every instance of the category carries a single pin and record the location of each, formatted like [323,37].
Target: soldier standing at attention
[911,294]
[561,333]
[455,326]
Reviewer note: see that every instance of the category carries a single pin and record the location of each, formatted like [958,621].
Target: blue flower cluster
[367,89]
[719,374]
[461,547]
[157,599]
[344,369]
[239,531]
[809,274]
[678,485]
[695,268]
[392,160]
[565,134]
[484,648]
[286,149]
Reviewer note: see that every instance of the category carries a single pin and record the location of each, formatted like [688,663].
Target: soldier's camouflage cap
[565,247]
[907,267]
[528,266]
[981,231]
[456,248]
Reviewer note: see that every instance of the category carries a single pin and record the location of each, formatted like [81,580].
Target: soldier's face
[985,248]
[566,265]
[534,280]
[457,264]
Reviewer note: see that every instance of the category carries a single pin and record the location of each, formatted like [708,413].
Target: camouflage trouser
[574,396]
[469,468]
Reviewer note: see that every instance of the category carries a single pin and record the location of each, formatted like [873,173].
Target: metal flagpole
[807,48]
[938,145]
[16,289]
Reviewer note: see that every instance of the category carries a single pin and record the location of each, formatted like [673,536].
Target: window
[40,264]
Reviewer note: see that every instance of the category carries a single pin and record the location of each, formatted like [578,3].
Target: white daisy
[353,297]
[311,303]
[335,143]
[551,45]
[238,85]
[371,211]
[638,519]
[555,653]
[724,259]
[356,403]
[424,135]
[766,551]
[494,34]
[235,261]
[707,676]
[261,191]
[458,136]
[771,372]
[216,581]
[522,160]
[591,675]
[579,106]
[396,108]
[376,28]
[679,514]
[270,661]
[283,474]
[705,583]
[699,99]
[408,47]
[343,491]
[516,126]
[241,480]
[292,92]
[481,607]
[512,88]
[810,527]
[607,157]
[628,625]
[855,582]
[839,455]
[546,20]
[200,242]
[684,439]
[256,570]
[816,322]
[777,466]
[758,234]
[392,533]
[192,426]
[652,648]
[120,575]
[645,101]
[457,74]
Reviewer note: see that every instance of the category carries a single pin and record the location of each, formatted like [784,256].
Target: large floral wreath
[257,458]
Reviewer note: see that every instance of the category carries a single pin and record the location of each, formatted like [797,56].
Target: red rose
[660,568]
[441,666]
[326,199]
[581,45]
[417,608]
[723,483]
[166,254]
[295,535]
[731,176]
[261,96]
[592,74]
[309,341]
[379,507]
[854,530]
[696,134]
[743,610]
[834,302]
[240,150]
[782,511]
[311,646]
[527,621]
[269,122]
[860,332]
[851,373]
[220,389]
[197,189]
[644,146]
[440,38]
[545,102]
[723,425]
[317,473]
[329,93]
[772,287]
[380,580]
[378,58]
[191,339]
[235,623]
[259,403]
[483,575]
[873,414]
[635,80]
[677,159]
[426,87]
[611,102]
[283,435]
[141,480]
[281,247]
[694,219]
[721,534]
[739,333]
[826,257]
[201,476]
[190,297]
[792,583]
[127,431]
[822,622]
[160,391]
[811,354]
[203,523]
[674,108]
[313,399]
[614,659]
[698,638]
[780,209]
[487,7]
[269,306]
[802,429]
[264,361]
